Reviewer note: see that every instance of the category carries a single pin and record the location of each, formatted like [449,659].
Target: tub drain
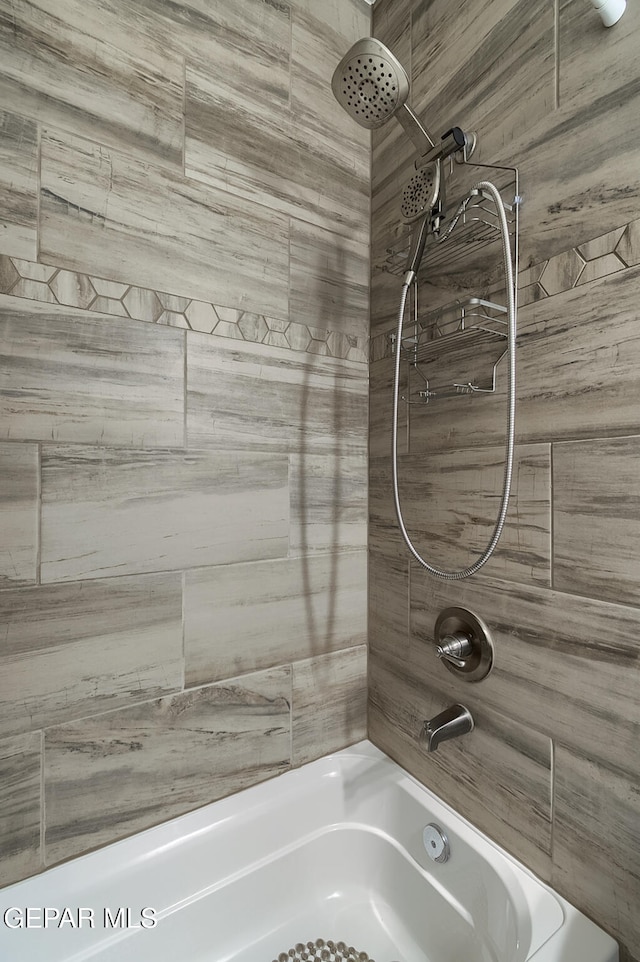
[321,951]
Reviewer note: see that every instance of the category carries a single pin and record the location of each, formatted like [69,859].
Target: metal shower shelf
[455,324]
[477,228]
[460,336]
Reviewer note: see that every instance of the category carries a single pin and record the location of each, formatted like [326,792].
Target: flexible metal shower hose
[511,398]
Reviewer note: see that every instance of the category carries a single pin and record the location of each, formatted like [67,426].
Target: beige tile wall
[152,760]
[551,770]
[183,302]
[184,261]
[18,185]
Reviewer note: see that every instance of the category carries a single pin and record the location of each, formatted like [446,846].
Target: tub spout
[450,723]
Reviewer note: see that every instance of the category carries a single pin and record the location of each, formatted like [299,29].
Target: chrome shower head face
[370,83]
[421,193]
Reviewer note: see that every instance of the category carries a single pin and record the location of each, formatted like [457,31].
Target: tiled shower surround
[184,231]
[552,768]
[184,275]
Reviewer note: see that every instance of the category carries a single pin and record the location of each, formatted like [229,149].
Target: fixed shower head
[370,83]
[372,86]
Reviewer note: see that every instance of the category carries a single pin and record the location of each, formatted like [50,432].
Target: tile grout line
[552,800]
[551,519]
[159,572]
[291,673]
[39,513]
[292,16]
[184,116]
[174,692]
[184,392]
[183,583]
[38,193]
[409,597]
[289,272]
[43,810]
[556,52]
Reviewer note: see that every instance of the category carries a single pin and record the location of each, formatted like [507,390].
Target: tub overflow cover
[435,842]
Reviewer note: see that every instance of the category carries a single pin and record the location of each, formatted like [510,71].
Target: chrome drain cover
[323,952]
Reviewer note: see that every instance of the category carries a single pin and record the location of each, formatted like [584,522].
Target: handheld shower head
[372,86]
[421,193]
[422,206]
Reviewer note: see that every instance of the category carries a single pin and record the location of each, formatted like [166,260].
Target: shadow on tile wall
[184,274]
[551,770]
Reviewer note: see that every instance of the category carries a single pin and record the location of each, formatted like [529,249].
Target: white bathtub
[333,850]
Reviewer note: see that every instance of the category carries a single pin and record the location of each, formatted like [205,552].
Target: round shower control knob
[463,644]
[435,842]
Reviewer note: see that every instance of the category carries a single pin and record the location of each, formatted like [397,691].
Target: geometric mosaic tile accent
[603,255]
[562,272]
[41,282]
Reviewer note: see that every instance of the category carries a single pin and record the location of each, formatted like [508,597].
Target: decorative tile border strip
[53,285]
[604,255]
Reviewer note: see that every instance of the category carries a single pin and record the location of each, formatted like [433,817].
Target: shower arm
[415,130]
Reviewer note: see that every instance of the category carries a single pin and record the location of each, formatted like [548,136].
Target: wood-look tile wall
[551,770]
[184,264]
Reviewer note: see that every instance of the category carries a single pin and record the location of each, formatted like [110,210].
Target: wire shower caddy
[456,349]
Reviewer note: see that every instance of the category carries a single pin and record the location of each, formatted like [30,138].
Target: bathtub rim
[107,861]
